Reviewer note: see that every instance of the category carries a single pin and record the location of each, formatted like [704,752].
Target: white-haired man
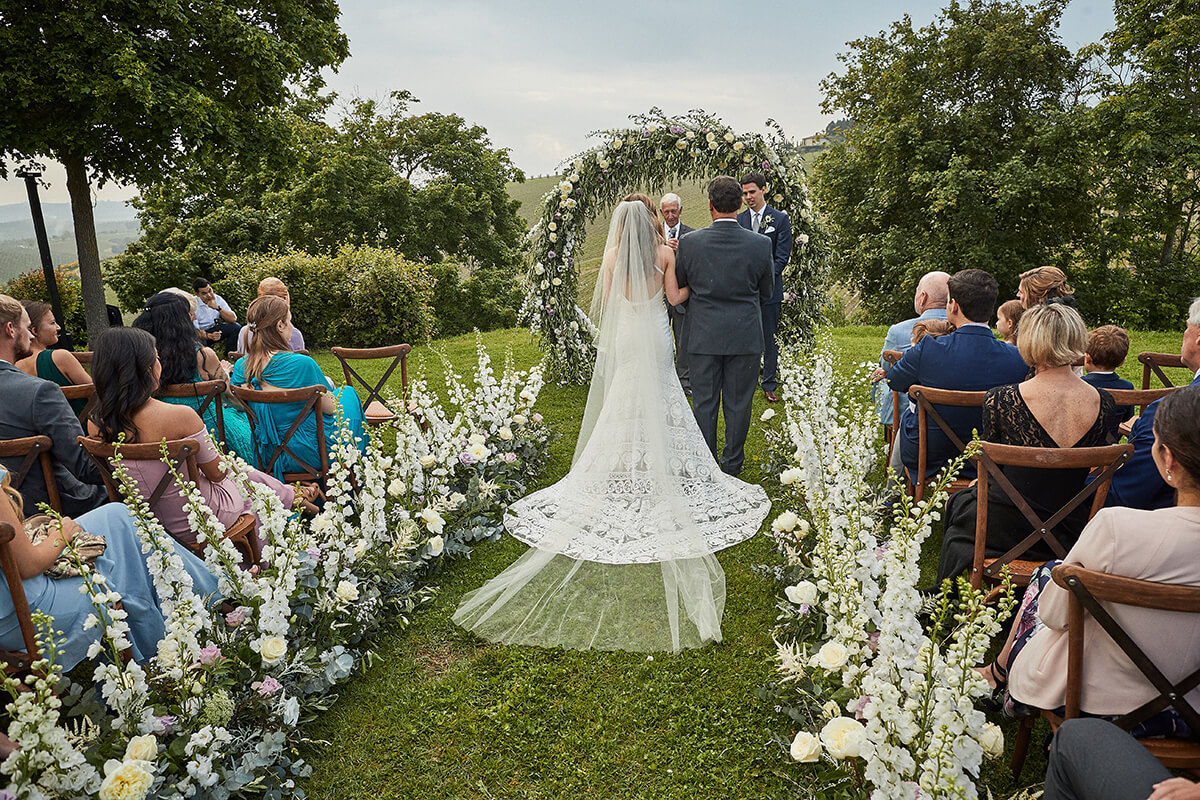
[929,302]
[671,205]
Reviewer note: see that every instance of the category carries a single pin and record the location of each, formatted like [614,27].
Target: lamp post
[39,231]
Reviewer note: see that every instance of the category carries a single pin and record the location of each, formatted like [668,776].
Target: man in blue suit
[971,359]
[1138,484]
[761,218]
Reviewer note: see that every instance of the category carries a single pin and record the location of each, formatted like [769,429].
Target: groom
[728,272]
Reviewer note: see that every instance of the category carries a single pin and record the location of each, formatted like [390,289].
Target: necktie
[671,233]
[756,221]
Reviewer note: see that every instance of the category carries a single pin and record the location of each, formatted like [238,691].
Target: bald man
[930,303]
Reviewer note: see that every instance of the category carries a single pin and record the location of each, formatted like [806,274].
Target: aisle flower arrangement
[882,701]
[217,712]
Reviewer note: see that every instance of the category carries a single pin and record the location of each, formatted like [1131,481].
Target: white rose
[142,748]
[786,521]
[710,136]
[539,269]
[738,145]
[397,487]
[569,204]
[803,527]
[616,145]
[729,137]
[690,134]
[505,433]
[273,649]
[477,438]
[125,780]
[778,198]
[843,737]
[553,237]
[433,520]
[556,281]
[992,740]
[478,452]
[831,656]
[790,476]
[768,414]
[436,545]
[803,593]
[574,178]
[553,226]
[806,748]
[519,419]
[802,238]
[346,591]
[428,461]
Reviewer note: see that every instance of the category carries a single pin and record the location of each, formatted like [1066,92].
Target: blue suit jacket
[971,360]
[1138,484]
[779,229]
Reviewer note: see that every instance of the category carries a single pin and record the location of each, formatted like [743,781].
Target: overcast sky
[541,75]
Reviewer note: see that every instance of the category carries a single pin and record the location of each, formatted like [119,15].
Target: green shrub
[358,297]
[32,286]
[138,274]
[487,299]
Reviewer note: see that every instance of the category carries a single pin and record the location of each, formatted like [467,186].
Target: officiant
[671,205]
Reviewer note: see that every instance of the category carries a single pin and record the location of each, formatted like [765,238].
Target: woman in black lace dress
[1054,408]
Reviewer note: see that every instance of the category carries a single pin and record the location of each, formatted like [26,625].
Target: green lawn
[444,715]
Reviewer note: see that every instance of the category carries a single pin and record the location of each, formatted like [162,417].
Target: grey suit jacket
[728,272]
[34,407]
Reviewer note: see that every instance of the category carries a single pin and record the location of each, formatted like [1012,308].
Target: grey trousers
[1091,759]
[728,383]
[679,328]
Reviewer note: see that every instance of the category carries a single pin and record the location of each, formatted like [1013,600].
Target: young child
[1107,348]
[1007,318]
[931,327]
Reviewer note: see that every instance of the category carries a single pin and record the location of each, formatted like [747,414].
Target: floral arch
[658,151]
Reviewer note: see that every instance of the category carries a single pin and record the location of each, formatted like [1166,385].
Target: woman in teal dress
[54,365]
[270,364]
[168,318]
[123,566]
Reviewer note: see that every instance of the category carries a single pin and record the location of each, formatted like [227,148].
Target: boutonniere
[765,225]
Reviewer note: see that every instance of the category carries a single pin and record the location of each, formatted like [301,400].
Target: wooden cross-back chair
[1139,398]
[890,431]
[398,353]
[17,662]
[925,397]
[208,393]
[992,456]
[81,391]
[182,454]
[1088,591]
[1155,363]
[310,398]
[32,449]
[84,357]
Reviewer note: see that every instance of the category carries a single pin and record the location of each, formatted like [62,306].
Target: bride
[621,549]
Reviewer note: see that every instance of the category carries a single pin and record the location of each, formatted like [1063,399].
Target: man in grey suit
[34,407]
[728,272]
[671,205]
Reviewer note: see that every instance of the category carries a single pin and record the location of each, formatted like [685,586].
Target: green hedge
[358,297]
[32,286]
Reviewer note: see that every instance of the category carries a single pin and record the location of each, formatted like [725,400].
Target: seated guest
[1162,546]
[1092,759]
[1044,283]
[34,407]
[1106,350]
[123,566]
[1008,318]
[931,327]
[127,371]
[56,366]
[278,288]
[215,320]
[930,303]
[1138,483]
[184,360]
[270,364]
[970,359]
[1054,408]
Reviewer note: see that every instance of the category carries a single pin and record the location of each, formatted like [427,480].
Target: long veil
[621,549]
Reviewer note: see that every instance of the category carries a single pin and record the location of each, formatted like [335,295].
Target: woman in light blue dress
[123,565]
[270,364]
[168,318]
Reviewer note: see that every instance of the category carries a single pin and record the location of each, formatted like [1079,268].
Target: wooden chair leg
[1021,746]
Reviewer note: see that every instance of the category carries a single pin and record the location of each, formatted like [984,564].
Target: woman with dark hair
[167,317]
[270,364]
[127,373]
[56,366]
[1161,545]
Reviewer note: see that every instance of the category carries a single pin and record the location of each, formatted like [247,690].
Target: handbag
[90,547]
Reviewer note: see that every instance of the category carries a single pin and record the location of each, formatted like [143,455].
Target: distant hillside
[116,227]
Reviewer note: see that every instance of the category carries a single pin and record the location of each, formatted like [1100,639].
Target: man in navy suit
[1138,484]
[671,205]
[969,360]
[761,218]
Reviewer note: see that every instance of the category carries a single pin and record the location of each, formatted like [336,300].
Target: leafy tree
[130,91]
[966,150]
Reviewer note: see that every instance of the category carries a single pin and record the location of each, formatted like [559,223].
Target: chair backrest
[892,357]
[1155,363]
[81,391]
[1088,589]
[991,457]
[398,353]
[84,357]
[925,398]
[15,661]
[30,449]
[208,393]
[182,453]
[1139,397]
[310,396]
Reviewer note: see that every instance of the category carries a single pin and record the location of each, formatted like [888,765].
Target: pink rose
[536,417]
[510,458]
[236,617]
[211,654]
[267,686]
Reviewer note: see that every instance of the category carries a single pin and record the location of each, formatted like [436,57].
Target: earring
[1169,475]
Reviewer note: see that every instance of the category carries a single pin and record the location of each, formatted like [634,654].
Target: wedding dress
[621,549]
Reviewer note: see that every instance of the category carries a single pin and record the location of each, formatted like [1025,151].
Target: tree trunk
[90,280]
